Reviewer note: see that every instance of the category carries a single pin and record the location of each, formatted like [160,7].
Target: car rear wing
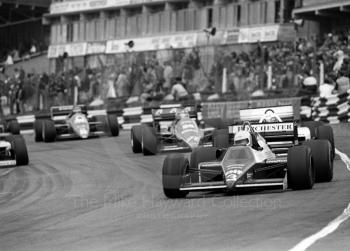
[61,112]
[169,113]
[286,113]
[279,136]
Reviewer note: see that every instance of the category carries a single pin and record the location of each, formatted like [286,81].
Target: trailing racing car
[13,151]
[173,129]
[69,122]
[269,155]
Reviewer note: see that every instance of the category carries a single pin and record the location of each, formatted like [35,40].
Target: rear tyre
[149,140]
[38,130]
[174,167]
[113,124]
[199,155]
[19,149]
[326,132]
[14,127]
[221,138]
[300,171]
[321,151]
[49,131]
[312,125]
[136,139]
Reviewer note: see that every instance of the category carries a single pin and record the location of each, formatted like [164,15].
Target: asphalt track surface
[97,195]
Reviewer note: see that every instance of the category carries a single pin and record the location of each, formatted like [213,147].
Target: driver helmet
[182,114]
[243,138]
[77,109]
[270,116]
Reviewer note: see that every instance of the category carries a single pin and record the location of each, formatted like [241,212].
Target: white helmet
[243,138]
[182,114]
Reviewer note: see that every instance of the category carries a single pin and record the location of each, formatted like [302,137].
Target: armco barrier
[129,117]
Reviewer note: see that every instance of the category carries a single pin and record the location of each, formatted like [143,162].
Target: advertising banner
[152,43]
[73,50]
[252,35]
[86,5]
[96,48]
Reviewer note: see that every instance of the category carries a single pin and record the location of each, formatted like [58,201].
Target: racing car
[13,151]
[172,129]
[74,122]
[270,155]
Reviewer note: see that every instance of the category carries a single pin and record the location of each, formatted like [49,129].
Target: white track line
[344,158]
[330,228]
[333,225]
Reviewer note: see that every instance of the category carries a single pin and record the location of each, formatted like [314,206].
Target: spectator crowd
[184,76]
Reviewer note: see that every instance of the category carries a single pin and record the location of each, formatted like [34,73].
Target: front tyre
[113,124]
[136,139]
[174,168]
[149,140]
[38,130]
[19,148]
[49,131]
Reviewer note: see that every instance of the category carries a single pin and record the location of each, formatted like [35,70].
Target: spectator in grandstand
[168,76]
[328,88]
[20,96]
[33,47]
[178,91]
[9,60]
[339,55]
[159,70]
[111,92]
[136,80]
[148,89]
[41,92]
[122,85]
[96,82]
[11,94]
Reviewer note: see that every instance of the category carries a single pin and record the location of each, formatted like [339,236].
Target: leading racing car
[271,154]
[69,122]
[173,129]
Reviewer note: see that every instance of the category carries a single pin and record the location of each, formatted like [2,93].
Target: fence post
[321,73]
[269,77]
[75,98]
[224,80]
[41,102]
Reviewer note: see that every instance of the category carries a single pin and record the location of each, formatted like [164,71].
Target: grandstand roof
[333,9]
[17,11]
[38,3]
